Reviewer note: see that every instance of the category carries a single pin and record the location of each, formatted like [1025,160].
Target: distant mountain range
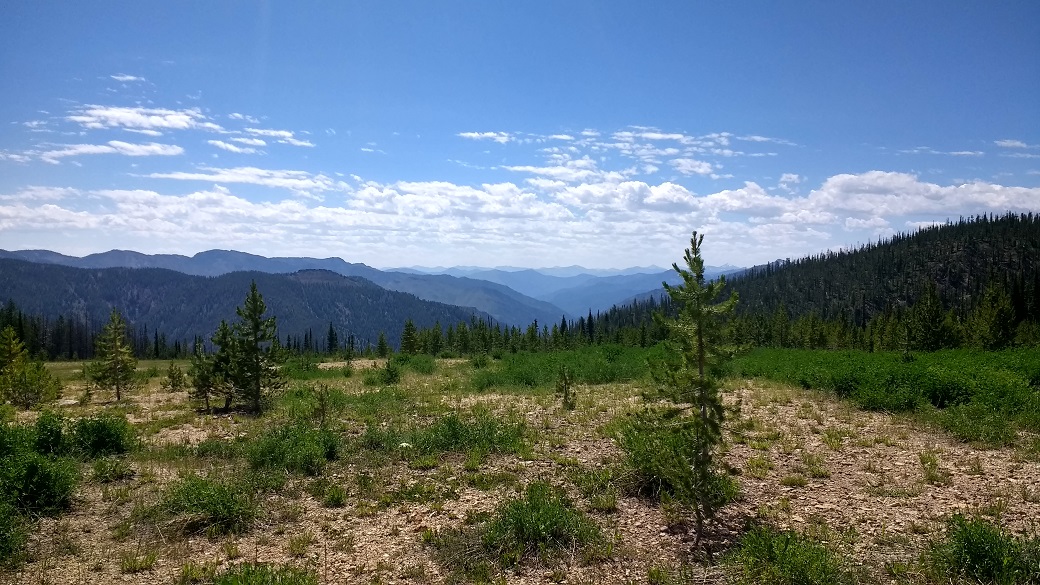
[182,305]
[511,296]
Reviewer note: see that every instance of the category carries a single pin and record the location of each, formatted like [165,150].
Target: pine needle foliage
[689,373]
[116,365]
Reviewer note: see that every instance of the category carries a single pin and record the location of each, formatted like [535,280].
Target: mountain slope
[503,304]
[182,305]
[959,258]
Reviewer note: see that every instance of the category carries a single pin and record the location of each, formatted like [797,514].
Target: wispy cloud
[123,77]
[112,147]
[499,137]
[689,166]
[97,117]
[299,182]
[280,136]
[1010,144]
[231,147]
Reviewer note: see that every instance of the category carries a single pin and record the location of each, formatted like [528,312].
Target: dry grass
[806,462]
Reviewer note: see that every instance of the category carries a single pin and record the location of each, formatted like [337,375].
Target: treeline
[72,337]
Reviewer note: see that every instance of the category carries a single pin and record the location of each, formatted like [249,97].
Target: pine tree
[331,340]
[409,338]
[254,371]
[116,365]
[382,347]
[12,349]
[690,374]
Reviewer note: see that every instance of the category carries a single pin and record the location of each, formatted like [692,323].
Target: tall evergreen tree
[690,372]
[254,370]
[115,366]
[410,338]
[331,340]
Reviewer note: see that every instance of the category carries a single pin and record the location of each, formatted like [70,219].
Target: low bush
[263,574]
[659,456]
[540,524]
[102,434]
[978,550]
[207,505]
[13,535]
[766,555]
[294,447]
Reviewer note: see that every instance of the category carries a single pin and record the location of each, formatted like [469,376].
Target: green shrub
[50,433]
[659,453]
[420,364]
[483,431]
[40,484]
[218,449]
[296,448]
[13,535]
[109,469]
[539,524]
[26,383]
[765,555]
[263,574]
[983,552]
[102,434]
[210,506]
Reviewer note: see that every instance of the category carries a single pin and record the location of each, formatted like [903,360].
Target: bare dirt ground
[873,486]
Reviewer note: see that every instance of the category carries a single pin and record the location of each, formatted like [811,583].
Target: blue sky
[526,133]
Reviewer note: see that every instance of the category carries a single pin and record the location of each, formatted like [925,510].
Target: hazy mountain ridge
[502,303]
[182,305]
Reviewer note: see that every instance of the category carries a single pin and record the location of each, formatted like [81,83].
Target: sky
[534,134]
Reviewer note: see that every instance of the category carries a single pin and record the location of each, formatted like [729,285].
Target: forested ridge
[58,310]
[961,258]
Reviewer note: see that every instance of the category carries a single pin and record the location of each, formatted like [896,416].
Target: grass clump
[980,551]
[206,505]
[265,574]
[766,555]
[295,448]
[659,454]
[538,525]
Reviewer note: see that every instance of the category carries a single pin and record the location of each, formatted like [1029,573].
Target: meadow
[847,468]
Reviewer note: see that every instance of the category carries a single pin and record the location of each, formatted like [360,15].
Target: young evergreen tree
[410,338]
[115,365]
[382,347]
[23,381]
[331,340]
[200,373]
[690,372]
[254,372]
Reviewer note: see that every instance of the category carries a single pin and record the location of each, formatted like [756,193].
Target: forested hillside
[73,302]
[501,302]
[856,285]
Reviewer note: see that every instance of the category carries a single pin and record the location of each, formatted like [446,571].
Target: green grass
[265,574]
[541,524]
[479,431]
[766,555]
[294,448]
[208,505]
[977,550]
[591,365]
[977,396]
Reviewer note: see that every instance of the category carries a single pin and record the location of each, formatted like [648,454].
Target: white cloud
[96,117]
[596,221]
[280,136]
[231,147]
[14,157]
[689,166]
[112,147]
[299,182]
[126,78]
[249,141]
[499,137]
[561,137]
[243,117]
[1010,144]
